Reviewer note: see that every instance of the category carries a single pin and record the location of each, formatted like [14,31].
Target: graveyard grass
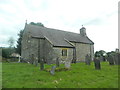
[23,75]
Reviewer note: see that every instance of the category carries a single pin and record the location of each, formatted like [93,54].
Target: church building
[47,44]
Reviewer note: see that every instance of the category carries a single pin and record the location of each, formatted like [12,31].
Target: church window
[64,52]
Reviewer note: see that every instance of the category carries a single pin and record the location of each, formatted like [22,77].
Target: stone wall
[32,46]
[24,46]
[48,52]
[57,52]
[92,52]
[82,50]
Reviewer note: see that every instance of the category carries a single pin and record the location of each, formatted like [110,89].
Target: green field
[0,75]
[23,75]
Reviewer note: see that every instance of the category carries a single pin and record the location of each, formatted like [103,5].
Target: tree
[18,49]
[111,53]
[11,42]
[38,24]
[7,51]
[100,53]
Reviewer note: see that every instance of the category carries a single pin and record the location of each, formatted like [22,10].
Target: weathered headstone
[97,63]
[57,62]
[67,64]
[101,58]
[117,58]
[32,59]
[88,59]
[110,59]
[42,64]
[52,72]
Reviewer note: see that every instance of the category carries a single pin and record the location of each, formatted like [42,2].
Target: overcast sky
[99,17]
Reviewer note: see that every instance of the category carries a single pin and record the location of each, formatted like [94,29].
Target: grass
[23,75]
[0,75]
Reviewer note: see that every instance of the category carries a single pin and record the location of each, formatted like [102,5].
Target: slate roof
[57,37]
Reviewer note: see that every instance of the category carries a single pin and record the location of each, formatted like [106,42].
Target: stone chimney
[83,31]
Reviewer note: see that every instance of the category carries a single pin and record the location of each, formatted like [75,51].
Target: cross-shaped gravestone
[97,63]
[52,72]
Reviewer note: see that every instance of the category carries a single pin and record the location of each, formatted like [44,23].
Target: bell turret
[83,31]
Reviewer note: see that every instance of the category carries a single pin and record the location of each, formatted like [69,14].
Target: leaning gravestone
[67,64]
[52,72]
[97,63]
[110,59]
[42,64]
[87,59]
[57,62]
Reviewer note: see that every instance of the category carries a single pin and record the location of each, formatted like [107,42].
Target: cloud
[96,16]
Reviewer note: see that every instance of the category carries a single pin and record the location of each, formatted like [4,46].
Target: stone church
[47,44]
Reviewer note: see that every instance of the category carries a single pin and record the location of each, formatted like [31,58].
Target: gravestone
[36,63]
[110,59]
[67,64]
[97,63]
[101,58]
[117,58]
[52,72]
[42,64]
[88,59]
[57,62]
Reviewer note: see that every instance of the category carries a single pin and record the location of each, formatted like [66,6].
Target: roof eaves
[64,46]
[80,42]
[37,37]
[90,40]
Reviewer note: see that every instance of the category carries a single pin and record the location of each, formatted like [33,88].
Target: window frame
[64,52]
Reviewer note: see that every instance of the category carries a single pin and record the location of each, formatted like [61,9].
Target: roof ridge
[57,36]
[54,29]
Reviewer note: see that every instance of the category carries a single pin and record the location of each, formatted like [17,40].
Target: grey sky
[100,18]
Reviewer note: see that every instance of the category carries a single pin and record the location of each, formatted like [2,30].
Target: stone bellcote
[83,31]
